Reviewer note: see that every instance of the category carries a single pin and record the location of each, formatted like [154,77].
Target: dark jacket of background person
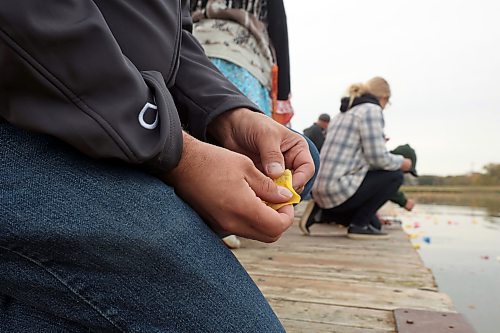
[399,198]
[316,134]
[94,98]
[407,151]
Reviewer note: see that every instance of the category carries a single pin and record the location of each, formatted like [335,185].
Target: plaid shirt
[355,143]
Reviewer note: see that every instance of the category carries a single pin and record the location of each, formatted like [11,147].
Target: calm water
[461,244]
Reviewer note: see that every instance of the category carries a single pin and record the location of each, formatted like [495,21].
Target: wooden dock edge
[327,282]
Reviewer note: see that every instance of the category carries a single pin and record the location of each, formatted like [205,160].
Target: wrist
[222,127]
[189,145]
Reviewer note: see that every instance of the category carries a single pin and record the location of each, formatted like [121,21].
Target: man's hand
[271,146]
[409,205]
[227,190]
[406,165]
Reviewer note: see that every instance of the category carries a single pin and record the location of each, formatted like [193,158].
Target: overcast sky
[441,58]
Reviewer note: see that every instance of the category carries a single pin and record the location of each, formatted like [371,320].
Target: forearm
[399,198]
[68,77]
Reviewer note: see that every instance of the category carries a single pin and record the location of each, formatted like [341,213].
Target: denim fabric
[306,194]
[92,246]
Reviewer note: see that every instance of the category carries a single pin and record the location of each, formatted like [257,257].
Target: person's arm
[271,146]
[227,190]
[373,143]
[201,92]
[316,136]
[278,33]
[64,74]
[227,186]
[399,198]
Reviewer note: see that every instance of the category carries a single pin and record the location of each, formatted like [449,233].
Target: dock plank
[308,327]
[353,294]
[334,315]
[329,283]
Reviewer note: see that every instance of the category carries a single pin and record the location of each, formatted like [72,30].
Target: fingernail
[285,192]
[275,168]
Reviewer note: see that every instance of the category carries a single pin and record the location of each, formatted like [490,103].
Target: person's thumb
[266,189]
[272,160]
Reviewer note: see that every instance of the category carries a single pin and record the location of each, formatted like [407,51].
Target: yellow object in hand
[285,180]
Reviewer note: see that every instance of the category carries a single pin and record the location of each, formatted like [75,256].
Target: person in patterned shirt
[357,173]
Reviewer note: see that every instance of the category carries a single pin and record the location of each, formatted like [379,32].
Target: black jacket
[316,134]
[83,70]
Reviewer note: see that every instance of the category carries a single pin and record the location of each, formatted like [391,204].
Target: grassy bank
[452,189]
[487,197]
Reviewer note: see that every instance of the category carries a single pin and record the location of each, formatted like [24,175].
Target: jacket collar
[366,98]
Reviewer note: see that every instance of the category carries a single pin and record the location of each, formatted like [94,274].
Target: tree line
[490,177]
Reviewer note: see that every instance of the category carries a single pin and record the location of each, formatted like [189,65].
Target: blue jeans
[97,246]
[306,194]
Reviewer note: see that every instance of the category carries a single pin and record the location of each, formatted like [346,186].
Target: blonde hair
[376,86]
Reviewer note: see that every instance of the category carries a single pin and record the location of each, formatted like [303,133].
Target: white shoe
[303,225]
[232,242]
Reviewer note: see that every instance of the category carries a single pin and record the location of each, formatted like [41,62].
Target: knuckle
[273,234]
[247,163]
[267,185]
[272,238]
[274,155]
[227,226]
[246,160]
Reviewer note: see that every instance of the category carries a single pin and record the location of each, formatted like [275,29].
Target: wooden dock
[329,283]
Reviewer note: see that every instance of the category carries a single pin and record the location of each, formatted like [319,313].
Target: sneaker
[307,218]
[232,242]
[366,232]
[376,223]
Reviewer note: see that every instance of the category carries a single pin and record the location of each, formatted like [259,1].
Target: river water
[461,245]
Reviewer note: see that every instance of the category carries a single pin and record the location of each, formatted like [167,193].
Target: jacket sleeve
[316,136]
[373,142]
[63,74]
[399,198]
[278,33]
[201,92]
